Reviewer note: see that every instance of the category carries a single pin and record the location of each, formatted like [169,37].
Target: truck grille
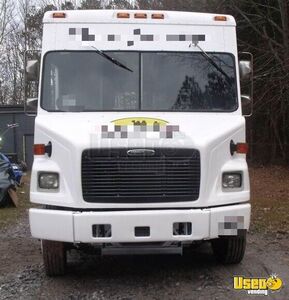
[111,175]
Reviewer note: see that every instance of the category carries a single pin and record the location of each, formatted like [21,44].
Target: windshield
[159,81]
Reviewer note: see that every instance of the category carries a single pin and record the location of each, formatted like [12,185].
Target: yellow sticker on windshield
[139,121]
[139,127]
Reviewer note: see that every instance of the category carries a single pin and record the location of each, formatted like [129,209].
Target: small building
[17,133]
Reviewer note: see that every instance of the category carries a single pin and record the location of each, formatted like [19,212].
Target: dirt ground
[195,275]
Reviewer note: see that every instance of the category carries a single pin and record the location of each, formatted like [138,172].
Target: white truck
[139,135]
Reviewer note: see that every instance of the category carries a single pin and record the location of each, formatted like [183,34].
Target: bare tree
[180,5]
[6,29]
[263,30]
[119,4]
[6,15]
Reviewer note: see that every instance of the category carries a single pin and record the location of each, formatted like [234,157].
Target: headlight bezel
[51,187]
[232,187]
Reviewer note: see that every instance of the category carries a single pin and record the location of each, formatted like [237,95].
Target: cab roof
[111,16]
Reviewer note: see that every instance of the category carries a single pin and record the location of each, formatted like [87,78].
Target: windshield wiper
[213,63]
[113,60]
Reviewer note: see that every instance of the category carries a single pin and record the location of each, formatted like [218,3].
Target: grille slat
[135,188]
[135,179]
[97,185]
[166,173]
[113,176]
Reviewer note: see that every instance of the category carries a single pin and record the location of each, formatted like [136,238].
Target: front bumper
[76,227]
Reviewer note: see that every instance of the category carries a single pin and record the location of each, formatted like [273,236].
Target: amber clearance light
[123,15]
[140,16]
[220,18]
[58,15]
[158,16]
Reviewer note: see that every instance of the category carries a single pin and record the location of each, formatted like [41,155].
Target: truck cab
[139,136]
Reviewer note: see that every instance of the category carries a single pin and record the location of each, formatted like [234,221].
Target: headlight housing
[232,180]
[48,180]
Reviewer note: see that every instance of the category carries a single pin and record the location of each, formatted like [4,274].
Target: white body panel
[71,133]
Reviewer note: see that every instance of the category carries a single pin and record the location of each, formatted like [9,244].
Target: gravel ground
[193,276]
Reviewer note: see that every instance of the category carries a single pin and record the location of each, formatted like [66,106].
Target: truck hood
[111,130]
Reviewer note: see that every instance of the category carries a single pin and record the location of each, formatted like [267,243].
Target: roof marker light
[158,16]
[220,18]
[140,16]
[123,15]
[58,15]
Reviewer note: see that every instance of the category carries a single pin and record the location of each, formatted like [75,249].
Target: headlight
[48,180]
[232,180]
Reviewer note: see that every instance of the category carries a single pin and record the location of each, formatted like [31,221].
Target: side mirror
[32,103]
[31,106]
[245,67]
[246,82]
[32,70]
[247,105]
[31,80]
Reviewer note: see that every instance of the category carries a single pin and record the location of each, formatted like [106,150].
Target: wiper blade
[113,60]
[212,62]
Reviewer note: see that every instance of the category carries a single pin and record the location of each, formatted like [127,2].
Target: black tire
[54,257]
[230,249]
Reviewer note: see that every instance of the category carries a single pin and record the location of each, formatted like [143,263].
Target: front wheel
[230,249]
[54,257]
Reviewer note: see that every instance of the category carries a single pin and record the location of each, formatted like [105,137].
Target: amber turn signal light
[39,149]
[241,148]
